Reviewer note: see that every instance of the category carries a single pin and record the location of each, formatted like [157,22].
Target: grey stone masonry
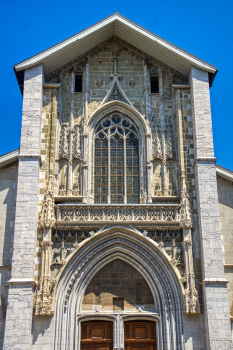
[21,285]
[216,309]
[202,123]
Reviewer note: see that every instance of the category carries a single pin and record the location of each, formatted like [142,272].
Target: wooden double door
[98,335]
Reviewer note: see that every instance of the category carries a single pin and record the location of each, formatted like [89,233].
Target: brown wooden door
[96,335]
[140,335]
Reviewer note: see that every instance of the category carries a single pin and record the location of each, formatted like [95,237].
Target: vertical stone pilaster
[71,132]
[21,285]
[163,127]
[216,310]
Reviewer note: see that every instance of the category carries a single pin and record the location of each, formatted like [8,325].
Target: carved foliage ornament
[64,142]
[186,210]
[170,152]
[156,143]
[77,142]
[47,219]
[44,296]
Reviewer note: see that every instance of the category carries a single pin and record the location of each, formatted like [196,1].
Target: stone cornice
[22,281]
[205,160]
[30,156]
[214,280]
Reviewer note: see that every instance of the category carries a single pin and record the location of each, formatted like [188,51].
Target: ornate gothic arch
[145,148]
[119,106]
[152,263]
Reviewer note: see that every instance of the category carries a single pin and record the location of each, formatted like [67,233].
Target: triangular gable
[119,26]
[116,93]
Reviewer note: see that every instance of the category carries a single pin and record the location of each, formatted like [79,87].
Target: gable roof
[9,158]
[224,172]
[123,28]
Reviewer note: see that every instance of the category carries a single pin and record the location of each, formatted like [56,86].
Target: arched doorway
[148,260]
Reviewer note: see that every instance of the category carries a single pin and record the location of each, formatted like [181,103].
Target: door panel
[96,335]
[140,335]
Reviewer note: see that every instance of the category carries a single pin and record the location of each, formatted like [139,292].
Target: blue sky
[203,28]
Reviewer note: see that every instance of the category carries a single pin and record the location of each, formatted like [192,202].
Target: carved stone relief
[116,95]
[132,82]
[47,219]
[77,142]
[186,210]
[170,151]
[156,143]
[99,82]
[64,142]
[62,183]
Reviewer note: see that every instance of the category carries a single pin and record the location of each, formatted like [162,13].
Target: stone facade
[157,257]
[8,188]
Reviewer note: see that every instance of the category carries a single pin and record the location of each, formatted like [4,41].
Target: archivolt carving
[172,252]
[136,250]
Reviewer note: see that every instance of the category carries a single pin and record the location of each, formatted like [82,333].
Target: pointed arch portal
[148,260]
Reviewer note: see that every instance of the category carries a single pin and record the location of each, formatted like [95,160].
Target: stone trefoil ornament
[99,82]
[132,82]
[47,219]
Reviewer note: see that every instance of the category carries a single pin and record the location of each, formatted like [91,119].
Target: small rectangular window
[154,85]
[78,83]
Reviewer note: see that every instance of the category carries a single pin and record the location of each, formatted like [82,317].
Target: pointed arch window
[116,170]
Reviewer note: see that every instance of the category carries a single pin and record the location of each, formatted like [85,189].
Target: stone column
[149,167]
[216,309]
[22,285]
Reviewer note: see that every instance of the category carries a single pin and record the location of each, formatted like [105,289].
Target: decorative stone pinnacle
[47,219]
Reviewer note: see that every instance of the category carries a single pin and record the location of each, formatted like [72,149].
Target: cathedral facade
[121,236]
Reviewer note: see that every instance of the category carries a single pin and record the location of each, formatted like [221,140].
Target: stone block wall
[21,284]
[8,189]
[215,298]
[118,280]
[225,196]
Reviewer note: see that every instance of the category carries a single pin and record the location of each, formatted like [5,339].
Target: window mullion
[125,185]
[109,173]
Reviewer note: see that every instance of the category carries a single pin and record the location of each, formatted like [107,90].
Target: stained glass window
[116,161]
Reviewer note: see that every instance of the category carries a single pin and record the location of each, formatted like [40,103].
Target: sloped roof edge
[8,158]
[224,172]
[38,58]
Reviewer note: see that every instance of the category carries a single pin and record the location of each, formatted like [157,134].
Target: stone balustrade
[152,213]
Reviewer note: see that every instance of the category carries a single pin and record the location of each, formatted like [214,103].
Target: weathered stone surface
[156,277]
[21,284]
[216,309]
